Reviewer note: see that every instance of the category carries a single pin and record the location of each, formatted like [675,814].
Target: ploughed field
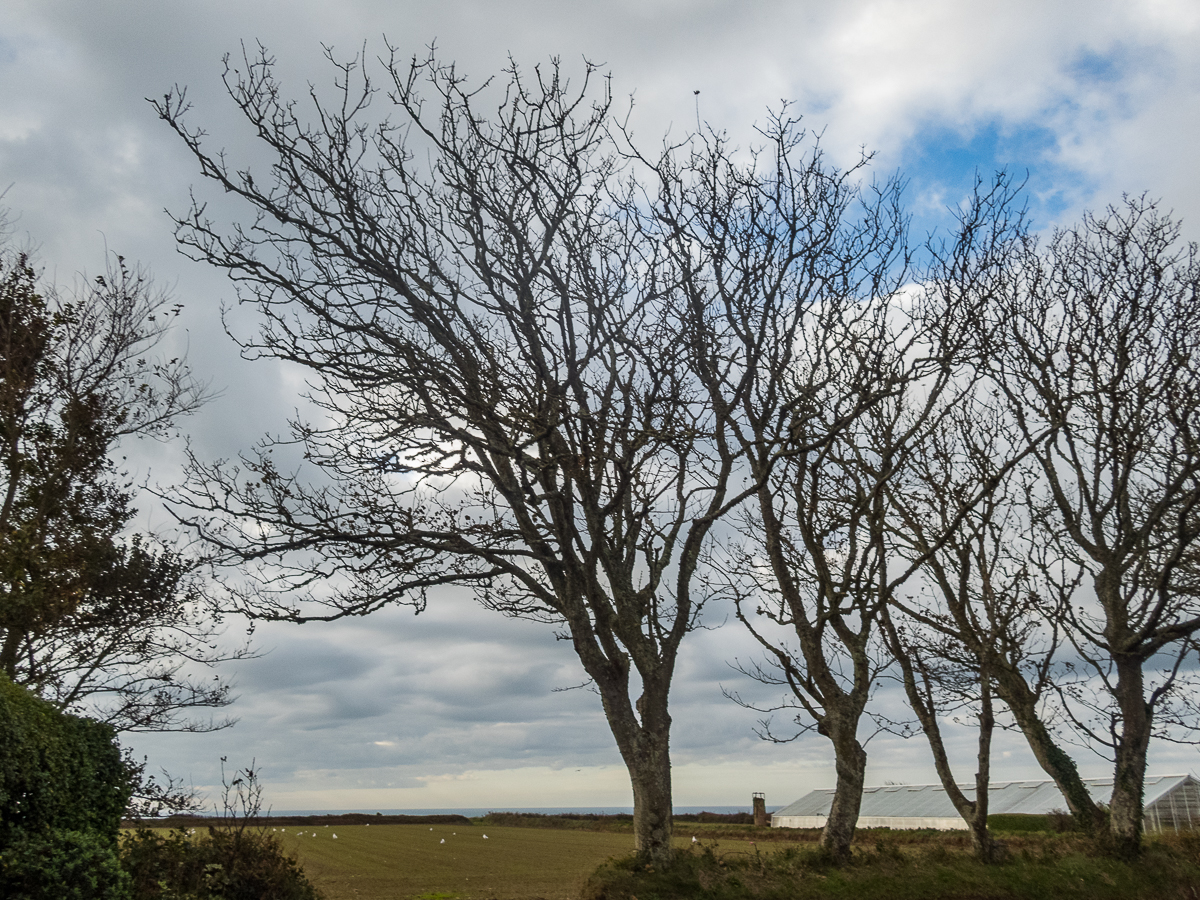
[441,862]
[547,858]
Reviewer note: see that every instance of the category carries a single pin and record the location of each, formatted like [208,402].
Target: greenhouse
[1172,802]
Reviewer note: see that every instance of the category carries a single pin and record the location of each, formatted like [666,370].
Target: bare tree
[1096,346]
[994,598]
[825,564]
[984,622]
[971,633]
[792,270]
[499,358]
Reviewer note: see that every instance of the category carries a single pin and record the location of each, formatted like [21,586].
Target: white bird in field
[442,841]
[694,841]
[485,837]
[335,837]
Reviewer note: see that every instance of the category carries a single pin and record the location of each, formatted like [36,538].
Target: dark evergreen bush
[63,787]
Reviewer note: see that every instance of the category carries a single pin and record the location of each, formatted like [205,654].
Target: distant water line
[476,811]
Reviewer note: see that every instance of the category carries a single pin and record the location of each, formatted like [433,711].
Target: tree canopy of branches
[519,381]
[1097,346]
[545,366]
[501,372]
[792,276]
[97,621]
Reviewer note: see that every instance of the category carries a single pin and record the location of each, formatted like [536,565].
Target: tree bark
[1012,688]
[850,761]
[643,739]
[650,774]
[920,693]
[1129,775]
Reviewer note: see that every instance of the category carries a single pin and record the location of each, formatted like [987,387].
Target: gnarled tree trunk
[1129,774]
[850,761]
[1012,688]
[643,739]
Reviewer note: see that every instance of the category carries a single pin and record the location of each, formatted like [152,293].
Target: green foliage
[91,619]
[63,788]
[64,865]
[57,771]
[225,864]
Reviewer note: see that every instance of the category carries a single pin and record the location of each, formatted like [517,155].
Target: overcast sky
[456,707]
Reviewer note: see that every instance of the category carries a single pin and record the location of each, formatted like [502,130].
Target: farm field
[455,862]
[398,862]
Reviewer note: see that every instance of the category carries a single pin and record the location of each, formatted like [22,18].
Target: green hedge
[63,788]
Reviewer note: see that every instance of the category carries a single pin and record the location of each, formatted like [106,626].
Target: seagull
[485,837]
[442,841]
[694,841]
[335,837]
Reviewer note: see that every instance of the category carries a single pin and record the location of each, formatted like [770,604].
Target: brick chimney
[760,809]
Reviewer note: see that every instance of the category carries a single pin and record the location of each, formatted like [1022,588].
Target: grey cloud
[458,688]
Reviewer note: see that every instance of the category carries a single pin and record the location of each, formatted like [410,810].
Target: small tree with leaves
[93,619]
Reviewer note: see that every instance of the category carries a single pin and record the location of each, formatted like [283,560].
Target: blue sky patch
[942,164]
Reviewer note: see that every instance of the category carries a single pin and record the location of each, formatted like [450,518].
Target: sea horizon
[476,811]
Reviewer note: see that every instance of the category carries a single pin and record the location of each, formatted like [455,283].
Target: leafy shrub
[57,771]
[63,787]
[222,865]
[65,865]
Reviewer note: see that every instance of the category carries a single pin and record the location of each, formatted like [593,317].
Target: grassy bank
[1039,868]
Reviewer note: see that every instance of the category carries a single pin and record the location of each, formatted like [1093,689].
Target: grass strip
[892,870]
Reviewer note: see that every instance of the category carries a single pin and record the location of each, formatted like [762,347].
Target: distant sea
[471,812]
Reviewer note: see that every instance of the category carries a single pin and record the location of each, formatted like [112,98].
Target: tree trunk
[1055,762]
[850,760]
[921,699]
[1129,775]
[644,739]
[8,653]
[652,811]
[987,848]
